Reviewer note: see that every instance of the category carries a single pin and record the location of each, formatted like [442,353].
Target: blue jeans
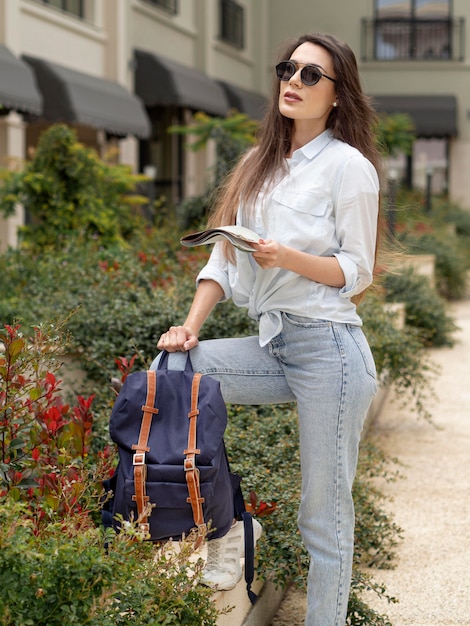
[328,369]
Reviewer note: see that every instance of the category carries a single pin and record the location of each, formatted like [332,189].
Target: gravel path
[431,503]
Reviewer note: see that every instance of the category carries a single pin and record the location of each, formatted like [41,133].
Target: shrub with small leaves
[58,577]
[70,193]
[401,359]
[425,311]
[450,264]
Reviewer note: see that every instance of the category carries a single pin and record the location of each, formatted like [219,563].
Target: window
[413,29]
[75,7]
[170,6]
[232,23]
[390,9]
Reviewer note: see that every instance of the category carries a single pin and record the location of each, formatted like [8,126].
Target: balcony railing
[413,39]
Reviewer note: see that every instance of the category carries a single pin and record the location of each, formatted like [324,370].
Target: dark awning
[433,116]
[74,97]
[245,101]
[159,81]
[18,89]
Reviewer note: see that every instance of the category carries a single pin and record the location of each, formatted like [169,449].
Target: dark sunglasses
[309,74]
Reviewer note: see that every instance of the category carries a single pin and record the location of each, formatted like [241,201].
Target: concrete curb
[269,601]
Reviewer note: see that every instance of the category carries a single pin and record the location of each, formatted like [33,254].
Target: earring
[335,104]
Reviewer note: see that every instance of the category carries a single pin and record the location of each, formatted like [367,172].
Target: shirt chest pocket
[300,218]
[301,201]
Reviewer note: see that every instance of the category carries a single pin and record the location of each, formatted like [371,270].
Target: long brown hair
[351,121]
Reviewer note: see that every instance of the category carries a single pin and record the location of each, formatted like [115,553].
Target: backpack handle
[163,362]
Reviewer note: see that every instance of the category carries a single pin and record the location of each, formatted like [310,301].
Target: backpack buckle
[138,458]
[189,464]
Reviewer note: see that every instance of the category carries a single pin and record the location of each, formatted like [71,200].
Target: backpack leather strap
[141,447]
[191,471]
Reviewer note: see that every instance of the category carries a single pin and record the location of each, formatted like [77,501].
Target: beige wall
[56,37]
[246,68]
[175,37]
[339,17]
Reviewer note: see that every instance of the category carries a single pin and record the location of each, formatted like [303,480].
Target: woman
[310,191]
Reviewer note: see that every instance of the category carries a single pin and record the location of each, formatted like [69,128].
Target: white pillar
[129,152]
[459,183]
[12,156]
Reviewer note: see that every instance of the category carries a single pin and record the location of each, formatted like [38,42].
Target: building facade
[122,71]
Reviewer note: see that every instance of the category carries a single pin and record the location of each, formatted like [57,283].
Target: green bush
[446,212]
[401,359]
[425,311]
[395,134]
[70,193]
[443,231]
[54,579]
[376,535]
[461,219]
[191,214]
[451,266]
[116,301]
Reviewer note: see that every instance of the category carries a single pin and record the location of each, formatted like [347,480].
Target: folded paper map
[239,236]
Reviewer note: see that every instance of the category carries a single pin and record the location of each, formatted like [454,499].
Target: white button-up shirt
[326,205]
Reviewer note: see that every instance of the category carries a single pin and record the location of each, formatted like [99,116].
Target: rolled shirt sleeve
[356,224]
[217,269]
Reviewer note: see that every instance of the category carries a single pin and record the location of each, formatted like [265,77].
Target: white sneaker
[223,569]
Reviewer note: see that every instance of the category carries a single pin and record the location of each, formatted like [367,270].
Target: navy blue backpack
[169,429]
